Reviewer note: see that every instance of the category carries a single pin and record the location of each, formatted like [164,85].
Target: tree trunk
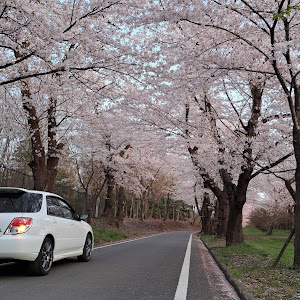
[146,214]
[152,208]
[84,205]
[89,210]
[222,215]
[167,208]
[237,194]
[296,134]
[108,208]
[174,211]
[116,203]
[131,208]
[206,214]
[120,209]
[44,166]
[197,205]
[234,232]
[125,207]
[96,199]
[97,204]
[237,199]
[142,208]
[270,230]
[159,211]
[137,209]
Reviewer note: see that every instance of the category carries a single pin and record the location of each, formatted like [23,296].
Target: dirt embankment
[145,227]
[131,226]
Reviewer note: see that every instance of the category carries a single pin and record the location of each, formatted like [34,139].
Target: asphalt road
[147,268]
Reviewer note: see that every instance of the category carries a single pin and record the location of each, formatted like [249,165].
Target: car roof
[18,190]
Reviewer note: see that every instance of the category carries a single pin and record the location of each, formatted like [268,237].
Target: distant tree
[272,218]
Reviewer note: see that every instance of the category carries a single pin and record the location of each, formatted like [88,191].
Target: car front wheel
[87,249]
[43,263]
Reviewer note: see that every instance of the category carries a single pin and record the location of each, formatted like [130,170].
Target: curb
[232,280]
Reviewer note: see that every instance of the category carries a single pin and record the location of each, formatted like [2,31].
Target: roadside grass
[251,263]
[104,235]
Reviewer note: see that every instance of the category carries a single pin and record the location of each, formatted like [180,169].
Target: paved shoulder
[204,269]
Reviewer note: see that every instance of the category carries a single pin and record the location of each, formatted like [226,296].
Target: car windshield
[20,202]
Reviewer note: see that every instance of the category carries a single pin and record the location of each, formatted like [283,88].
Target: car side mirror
[83,217]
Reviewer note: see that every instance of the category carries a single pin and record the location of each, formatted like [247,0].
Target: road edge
[105,244]
[232,280]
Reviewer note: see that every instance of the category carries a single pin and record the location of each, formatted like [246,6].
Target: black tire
[42,265]
[87,249]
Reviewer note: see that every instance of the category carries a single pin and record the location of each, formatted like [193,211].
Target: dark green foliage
[286,12]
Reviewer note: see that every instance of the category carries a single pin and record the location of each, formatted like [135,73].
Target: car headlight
[19,225]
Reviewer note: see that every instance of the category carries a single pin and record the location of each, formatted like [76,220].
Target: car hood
[5,220]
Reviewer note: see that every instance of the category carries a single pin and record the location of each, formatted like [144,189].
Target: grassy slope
[104,235]
[251,264]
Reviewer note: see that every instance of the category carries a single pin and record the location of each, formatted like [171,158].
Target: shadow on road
[20,269]
[13,269]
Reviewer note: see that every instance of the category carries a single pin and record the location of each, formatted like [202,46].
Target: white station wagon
[40,228]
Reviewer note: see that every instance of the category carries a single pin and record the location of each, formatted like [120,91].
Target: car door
[76,231]
[60,225]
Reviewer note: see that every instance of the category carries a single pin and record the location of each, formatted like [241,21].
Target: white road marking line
[127,241]
[182,286]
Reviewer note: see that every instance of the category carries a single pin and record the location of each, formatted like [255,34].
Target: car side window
[59,208]
[66,209]
[53,207]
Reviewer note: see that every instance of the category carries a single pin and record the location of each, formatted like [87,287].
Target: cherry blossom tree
[268,32]
[47,51]
[205,98]
[193,93]
[250,37]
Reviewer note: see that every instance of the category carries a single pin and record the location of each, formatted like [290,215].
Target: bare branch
[17,61]
[230,32]
[94,11]
[277,162]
